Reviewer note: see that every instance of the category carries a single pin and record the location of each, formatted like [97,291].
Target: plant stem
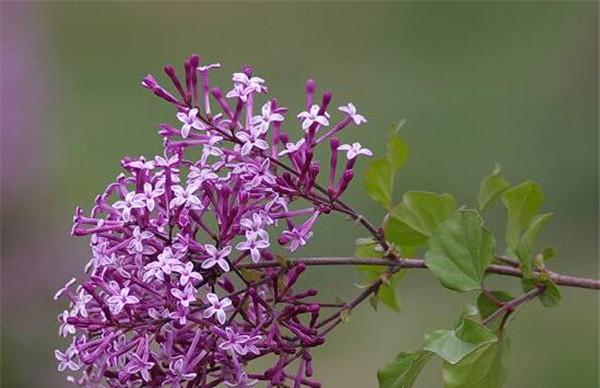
[509,307]
[401,263]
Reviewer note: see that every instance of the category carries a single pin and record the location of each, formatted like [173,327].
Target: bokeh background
[477,82]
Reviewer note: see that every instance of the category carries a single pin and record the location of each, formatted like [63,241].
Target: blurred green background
[477,82]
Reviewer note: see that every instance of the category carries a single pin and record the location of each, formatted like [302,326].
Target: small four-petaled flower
[217,307]
[118,302]
[312,116]
[190,120]
[352,151]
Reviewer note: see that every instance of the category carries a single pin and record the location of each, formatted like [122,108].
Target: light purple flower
[80,303]
[253,244]
[234,341]
[140,364]
[251,140]
[190,120]
[177,368]
[167,161]
[136,318]
[187,273]
[198,175]
[216,257]
[185,297]
[252,84]
[185,197]
[217,307]
[350,110]
[132,201]
[60,292]
[166,263]
[352,151]
[141,164]
[149,195]
[118,302]
[292,147]
[66,328]
[136,244]
[211,149]
[267,117]
[68,359]
[296,238]
[312,116]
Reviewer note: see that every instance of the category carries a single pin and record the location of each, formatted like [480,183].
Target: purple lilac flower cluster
[174,294]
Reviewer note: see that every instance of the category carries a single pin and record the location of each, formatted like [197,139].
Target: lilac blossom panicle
[174,294]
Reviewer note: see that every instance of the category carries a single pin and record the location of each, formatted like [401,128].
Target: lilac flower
[250,346]
[267,117]
[185,197]
[66,328]
[149,195]
[252,140]
[141,164]
[238,91]
[60,292]
[350,110]
[185,297]
[190,120]
[67,359]
[292,147]
[312,116]
[132,201]
[199,175]
[211,149]
[167,162]
[118,302]
[166,263]
[217,307]
[256,225]
[234,341]
[216,257]
[252,84]
[80,303]
[187,273]
[253,245]
[296,238]
[136,244]
[139,363]
[352,151]
[138,317]
[177,368]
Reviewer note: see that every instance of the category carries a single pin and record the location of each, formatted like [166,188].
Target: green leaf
[525,246]
[401,234]
[403,371]
[386,292]
[522,204]
[454,345]
[424,211]
[487,306]
[387,295]
[379,182]
[551,295]
[460,250]
[397,151]
[491,187]
[487,367]
[373,301]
